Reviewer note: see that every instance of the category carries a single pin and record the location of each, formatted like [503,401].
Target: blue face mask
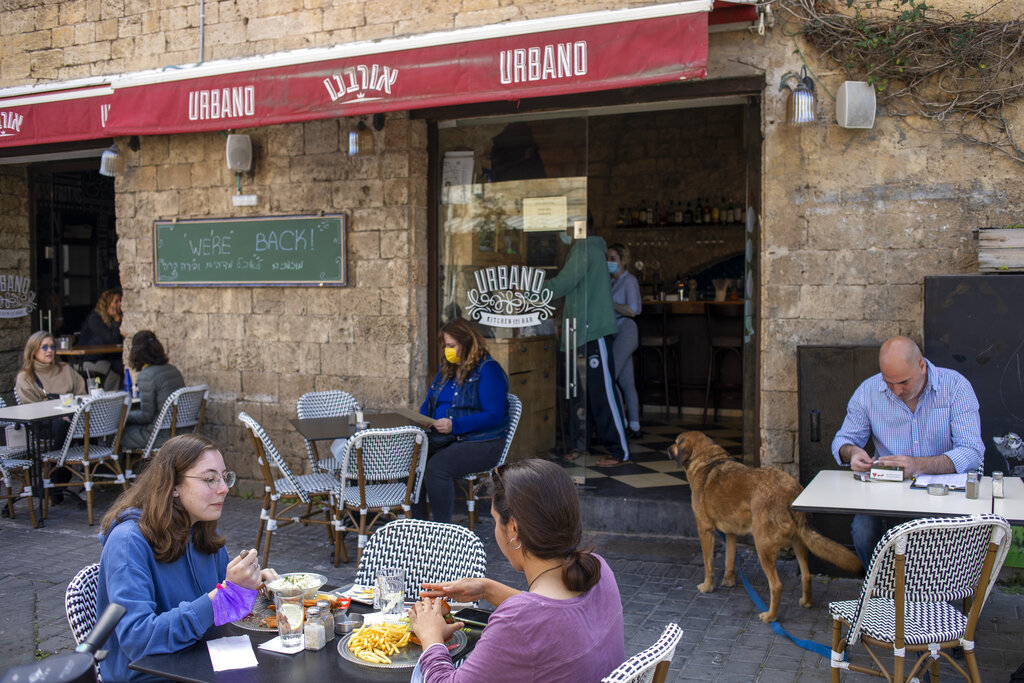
[564,236]
[613,267]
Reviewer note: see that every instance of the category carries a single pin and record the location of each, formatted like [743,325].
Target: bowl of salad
[291,584]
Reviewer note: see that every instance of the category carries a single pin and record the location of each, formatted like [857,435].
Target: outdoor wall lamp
[360,140]
[109,160]
[801,101]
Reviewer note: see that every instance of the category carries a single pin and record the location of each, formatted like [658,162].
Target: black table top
[193,663]
[329,428]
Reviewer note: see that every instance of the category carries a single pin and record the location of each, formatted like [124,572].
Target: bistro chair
[183,408]
[386,467]
[97,421]
[80,604]
[291,491]
[471,484]
[429,552]
[15,467]
[651,665]
[918,569]
[332,403]
[725,338]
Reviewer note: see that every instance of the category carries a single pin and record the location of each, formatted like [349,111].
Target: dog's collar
[714,463]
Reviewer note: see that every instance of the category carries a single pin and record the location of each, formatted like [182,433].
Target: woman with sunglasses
[566,626]
[43,376]
[164,561]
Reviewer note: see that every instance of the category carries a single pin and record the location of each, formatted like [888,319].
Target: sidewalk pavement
[723,639]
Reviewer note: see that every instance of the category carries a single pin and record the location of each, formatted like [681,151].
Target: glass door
[515,259]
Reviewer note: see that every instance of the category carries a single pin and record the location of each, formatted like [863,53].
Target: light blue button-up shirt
[946,420]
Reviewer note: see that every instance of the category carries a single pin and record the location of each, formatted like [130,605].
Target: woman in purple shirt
[567,626]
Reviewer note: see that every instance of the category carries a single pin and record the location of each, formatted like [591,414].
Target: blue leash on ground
[809,645]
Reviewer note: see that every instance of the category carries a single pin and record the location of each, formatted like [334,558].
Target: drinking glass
[66,399]
[389,596]
[290,614]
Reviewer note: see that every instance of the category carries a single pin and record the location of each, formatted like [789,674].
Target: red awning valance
[537,58]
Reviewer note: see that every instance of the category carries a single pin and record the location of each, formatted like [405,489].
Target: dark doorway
[75,244]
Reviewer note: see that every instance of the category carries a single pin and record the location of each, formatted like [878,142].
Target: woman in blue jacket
[164,561]
[468,401]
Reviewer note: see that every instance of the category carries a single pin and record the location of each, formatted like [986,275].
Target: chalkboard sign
[264,251]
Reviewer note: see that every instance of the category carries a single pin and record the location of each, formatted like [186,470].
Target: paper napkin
[232,652]
[274,645]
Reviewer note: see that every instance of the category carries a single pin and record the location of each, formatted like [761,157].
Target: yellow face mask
[451,355]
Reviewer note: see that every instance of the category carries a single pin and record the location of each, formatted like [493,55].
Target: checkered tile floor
[649,467]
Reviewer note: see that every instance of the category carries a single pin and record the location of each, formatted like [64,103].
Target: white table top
[33,412]
[1011,505]
[836,491]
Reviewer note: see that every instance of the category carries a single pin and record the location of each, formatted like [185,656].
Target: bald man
[920,417]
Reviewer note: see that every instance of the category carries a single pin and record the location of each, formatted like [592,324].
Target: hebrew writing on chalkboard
[270,250]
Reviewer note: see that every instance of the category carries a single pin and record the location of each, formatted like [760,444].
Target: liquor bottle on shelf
[716,215]
[634,219]
[698,213]
[707,210]
[721,208]
[651,219]
[621,219]
[688,214]
[677,215]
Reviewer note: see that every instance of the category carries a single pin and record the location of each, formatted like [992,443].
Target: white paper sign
[544,214]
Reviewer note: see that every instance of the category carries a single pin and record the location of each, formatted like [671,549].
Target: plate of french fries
[386,645]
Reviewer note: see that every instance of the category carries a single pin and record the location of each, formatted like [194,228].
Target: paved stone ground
[723,639]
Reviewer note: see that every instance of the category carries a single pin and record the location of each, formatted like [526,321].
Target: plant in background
[965,73]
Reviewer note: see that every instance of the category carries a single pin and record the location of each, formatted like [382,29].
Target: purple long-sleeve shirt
[534,638]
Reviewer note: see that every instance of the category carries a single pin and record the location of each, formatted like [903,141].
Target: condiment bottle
[325,611]
[314,630]
[997,484]
[972,485]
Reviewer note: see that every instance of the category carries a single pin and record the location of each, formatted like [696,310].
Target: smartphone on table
[472,616]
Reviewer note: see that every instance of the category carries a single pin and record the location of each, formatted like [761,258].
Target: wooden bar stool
[725,337]
[658,341]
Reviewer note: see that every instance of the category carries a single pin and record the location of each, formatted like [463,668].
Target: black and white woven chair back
[190,401]
[333,403]
[944,558]
[270,452]
[9,451]
[387,455]
[429,552]
[640,667]
[515,410]
[80,601]
[106,412]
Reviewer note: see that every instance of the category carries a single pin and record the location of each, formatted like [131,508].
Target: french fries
[376,643]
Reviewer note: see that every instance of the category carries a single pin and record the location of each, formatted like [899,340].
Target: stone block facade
[14,261]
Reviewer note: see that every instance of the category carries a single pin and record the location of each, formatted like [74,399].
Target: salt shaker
[972,485]
[328,617]
[315,639]
[997,484]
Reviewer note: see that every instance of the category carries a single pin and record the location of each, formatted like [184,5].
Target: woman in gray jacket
[157,379]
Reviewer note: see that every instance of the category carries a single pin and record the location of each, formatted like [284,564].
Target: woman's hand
[443,425]
[427,621]
[244,570]
[463,590]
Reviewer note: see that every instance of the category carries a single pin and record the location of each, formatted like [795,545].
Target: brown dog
[736,499]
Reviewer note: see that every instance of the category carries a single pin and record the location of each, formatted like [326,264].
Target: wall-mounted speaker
[239,153]
[855,105]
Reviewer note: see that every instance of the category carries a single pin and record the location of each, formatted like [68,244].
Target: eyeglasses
[213,480]
[48,347]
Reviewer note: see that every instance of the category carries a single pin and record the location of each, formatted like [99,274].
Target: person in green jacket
[157,379]
[583,281]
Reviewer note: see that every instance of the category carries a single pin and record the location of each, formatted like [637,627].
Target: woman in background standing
[157,379]
[626,301]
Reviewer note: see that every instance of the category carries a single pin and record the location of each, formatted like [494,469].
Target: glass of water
[389,593]
[290,615]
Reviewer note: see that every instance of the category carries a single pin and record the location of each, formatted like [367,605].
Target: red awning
[536,58]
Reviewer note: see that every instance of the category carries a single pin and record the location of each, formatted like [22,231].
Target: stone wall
[260,348]
[14,260]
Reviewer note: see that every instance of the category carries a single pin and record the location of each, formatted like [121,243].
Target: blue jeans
[867,531]
[453,462]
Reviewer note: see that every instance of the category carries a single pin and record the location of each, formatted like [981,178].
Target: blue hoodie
[168,608]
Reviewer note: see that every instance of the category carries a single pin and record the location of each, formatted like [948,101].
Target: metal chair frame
[651,665]
[378,460]
[16,467]
[471,484]
[917,570]
[180,409]
[293,491]
[90,456]
[333,403]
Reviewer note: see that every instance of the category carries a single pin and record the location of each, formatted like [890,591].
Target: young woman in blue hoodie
[164,561]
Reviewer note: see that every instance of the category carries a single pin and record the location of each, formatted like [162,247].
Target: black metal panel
[827,376]
[974,324]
